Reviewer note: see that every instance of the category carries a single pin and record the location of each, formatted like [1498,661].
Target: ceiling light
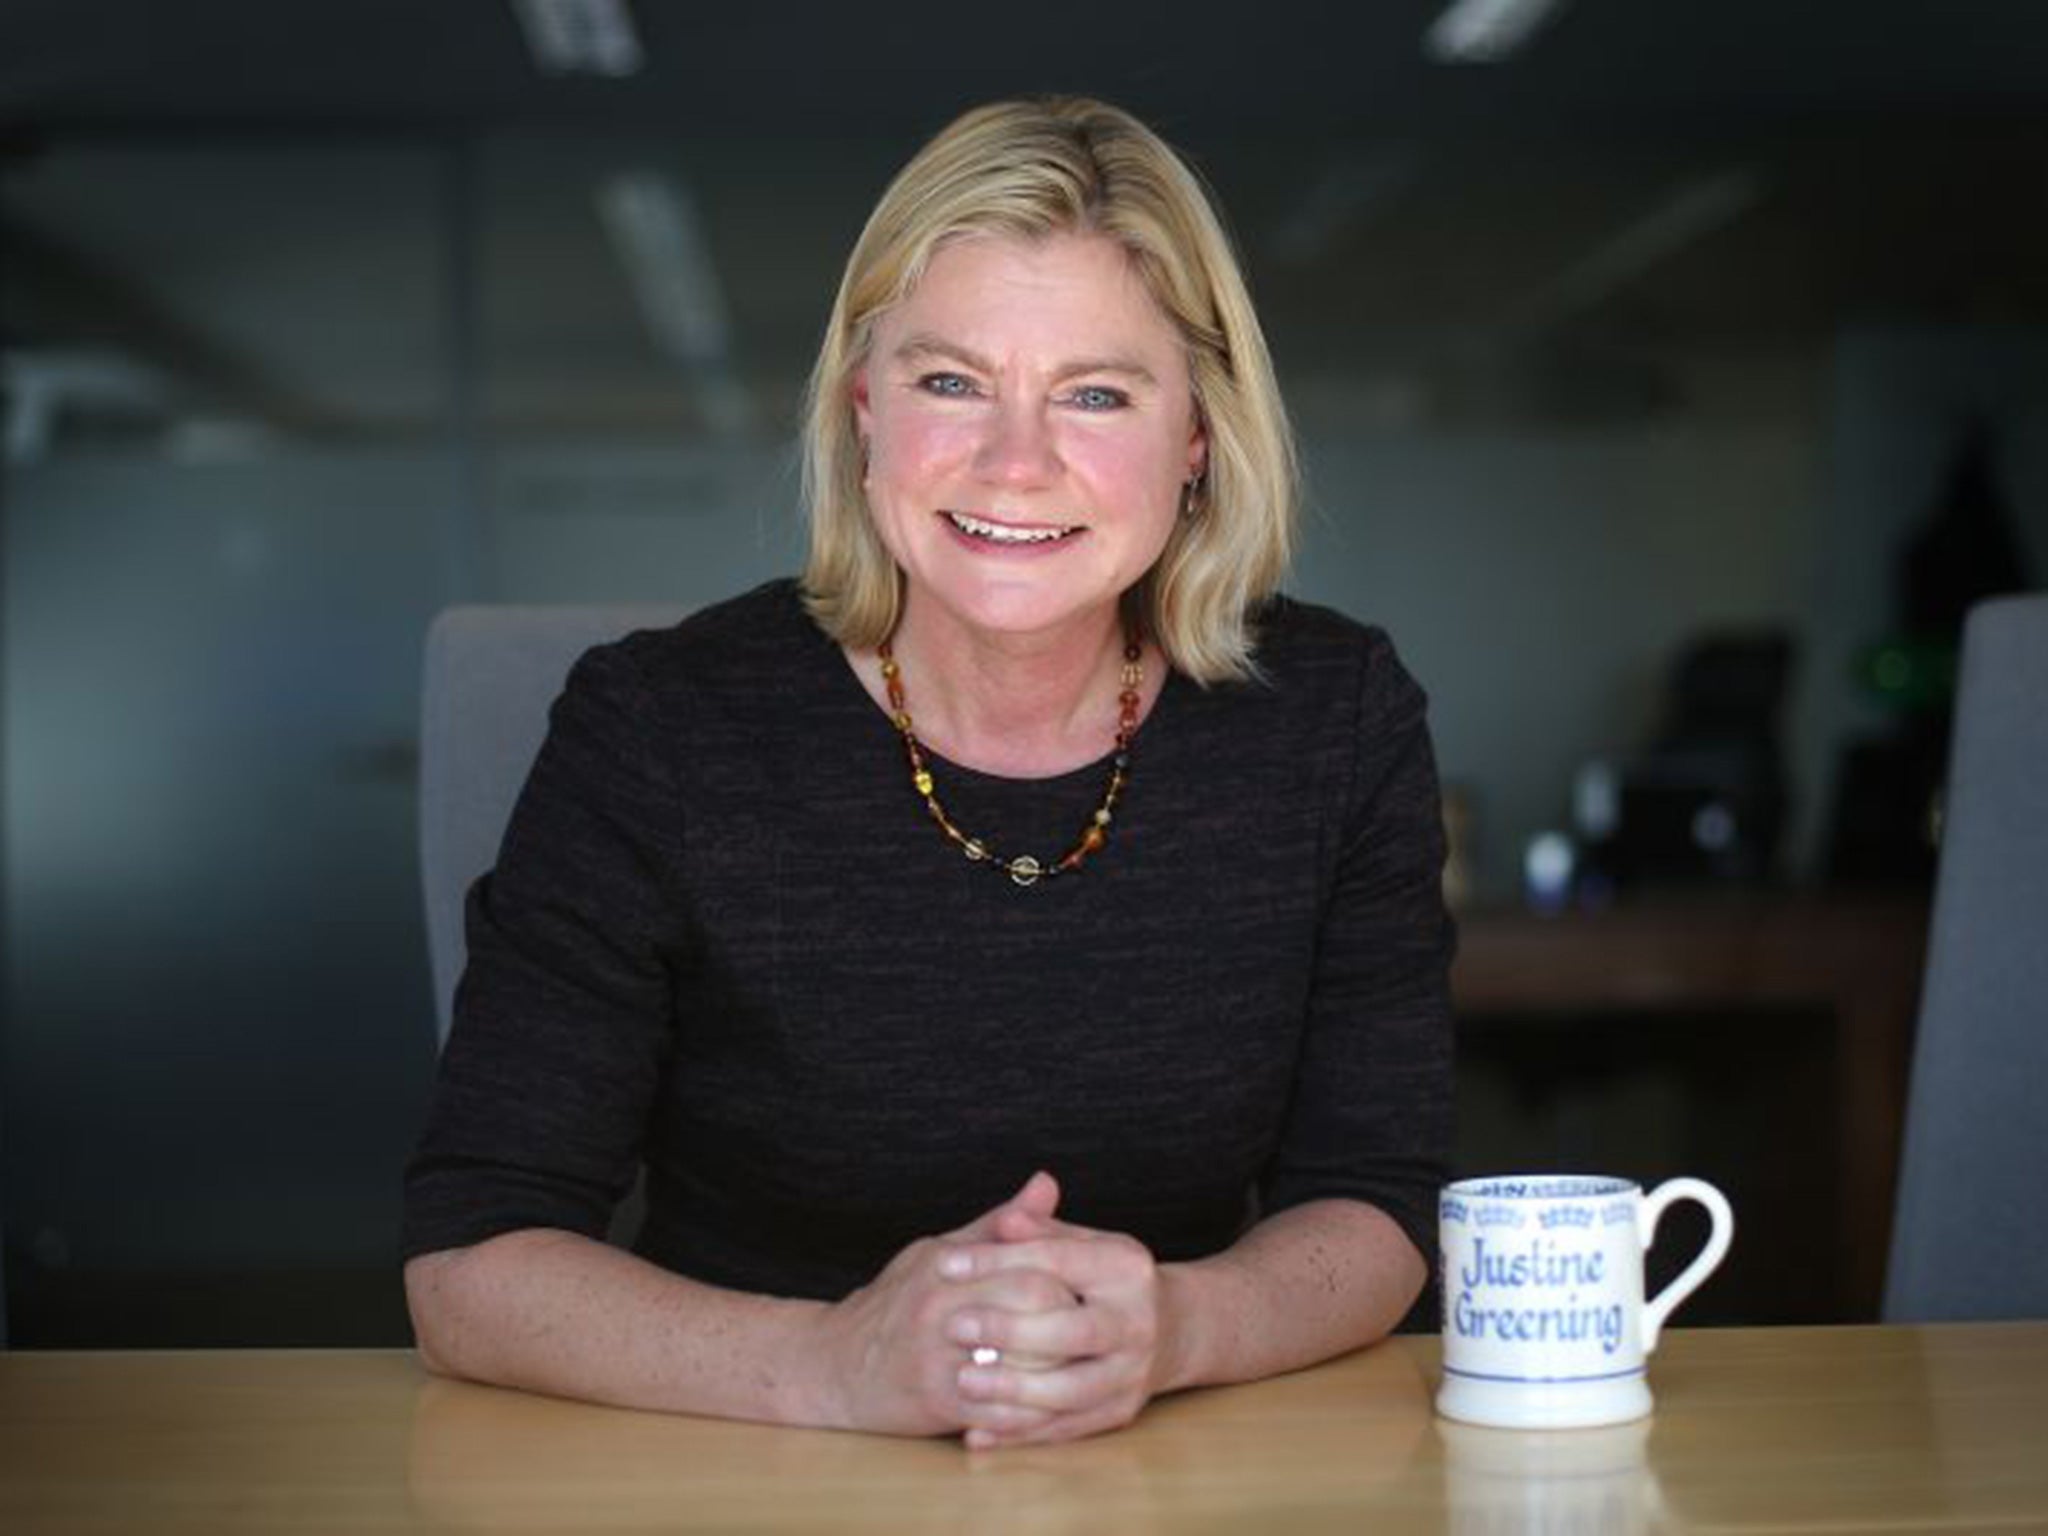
[39,388]
[1485,31]
[654,226]
[1346,194]
[581,37]
[1691,211]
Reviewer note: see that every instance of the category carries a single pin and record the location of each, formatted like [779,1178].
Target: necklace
[1025,870]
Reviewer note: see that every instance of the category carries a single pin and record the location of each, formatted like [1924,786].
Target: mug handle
[1716,1248]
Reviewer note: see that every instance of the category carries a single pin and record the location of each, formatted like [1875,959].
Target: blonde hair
[1029,170]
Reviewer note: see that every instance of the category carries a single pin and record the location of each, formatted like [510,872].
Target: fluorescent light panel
[581,37]
[653,224]
[1485,31]
[1689,213]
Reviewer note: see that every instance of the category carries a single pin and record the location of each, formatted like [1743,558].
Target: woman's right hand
[882,1356]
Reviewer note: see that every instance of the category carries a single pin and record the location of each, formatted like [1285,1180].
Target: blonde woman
[1015,952]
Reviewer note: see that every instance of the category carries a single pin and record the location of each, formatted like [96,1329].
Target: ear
[1198,446]
[863,407]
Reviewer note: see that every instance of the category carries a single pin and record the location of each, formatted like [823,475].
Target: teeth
[997,533]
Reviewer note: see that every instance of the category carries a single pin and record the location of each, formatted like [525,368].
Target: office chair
[1968,1238]
[490,675]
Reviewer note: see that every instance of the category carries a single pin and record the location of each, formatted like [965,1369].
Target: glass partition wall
[234,493]
[271,404]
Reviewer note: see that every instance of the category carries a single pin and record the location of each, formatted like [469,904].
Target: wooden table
[1856,958]
[1795,1429]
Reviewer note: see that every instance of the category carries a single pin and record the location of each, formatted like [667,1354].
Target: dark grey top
[724,938]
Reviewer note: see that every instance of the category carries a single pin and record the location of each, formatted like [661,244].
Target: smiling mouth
[1004,533]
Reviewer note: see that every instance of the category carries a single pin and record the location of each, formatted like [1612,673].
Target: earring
[1190,491]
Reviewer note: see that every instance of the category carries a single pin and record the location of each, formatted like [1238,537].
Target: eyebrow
[925,345]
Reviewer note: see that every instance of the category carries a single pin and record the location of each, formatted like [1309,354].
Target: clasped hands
[1074,1319]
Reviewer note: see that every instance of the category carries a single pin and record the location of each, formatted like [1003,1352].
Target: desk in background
[1855,961]
[1791,1429]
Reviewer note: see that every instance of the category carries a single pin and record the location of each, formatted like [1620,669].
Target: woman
[1016,955]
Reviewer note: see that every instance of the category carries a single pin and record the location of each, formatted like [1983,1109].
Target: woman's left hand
[1093,1365]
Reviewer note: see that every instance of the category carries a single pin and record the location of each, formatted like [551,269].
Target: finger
[1057,1427]
[1072,1388]
[1034,1201]
[1015,1225]
[1039,1197]
[1085,1263]
[1030,1213]
[1003,1419]
[1060,1333]
[1009,1290]
[1016,1360]
[995,1299]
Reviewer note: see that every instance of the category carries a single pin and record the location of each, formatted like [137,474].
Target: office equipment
[1705,802]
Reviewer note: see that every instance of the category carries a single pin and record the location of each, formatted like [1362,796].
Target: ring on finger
[985,1354]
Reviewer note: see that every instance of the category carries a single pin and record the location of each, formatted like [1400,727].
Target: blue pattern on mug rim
[1555,1186]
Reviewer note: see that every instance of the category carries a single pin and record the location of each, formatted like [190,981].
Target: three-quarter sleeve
[1371,1113]
[563,1018]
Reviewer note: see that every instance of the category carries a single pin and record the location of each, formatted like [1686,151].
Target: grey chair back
[490,675]
[1969,1239]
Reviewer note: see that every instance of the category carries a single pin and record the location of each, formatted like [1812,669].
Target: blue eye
[1099,397]
[949,384]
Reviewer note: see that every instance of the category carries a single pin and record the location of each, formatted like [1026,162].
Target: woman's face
[1029,426]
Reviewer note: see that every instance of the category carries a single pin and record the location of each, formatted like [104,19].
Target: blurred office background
[1659,322]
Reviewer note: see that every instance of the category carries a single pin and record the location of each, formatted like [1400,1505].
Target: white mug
[1545,1326]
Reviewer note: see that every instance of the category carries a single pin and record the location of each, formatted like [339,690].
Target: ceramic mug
[1545,1325]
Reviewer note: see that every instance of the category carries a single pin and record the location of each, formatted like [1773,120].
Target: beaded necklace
[1025,870]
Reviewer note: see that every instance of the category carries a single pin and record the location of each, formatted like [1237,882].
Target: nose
[1017,448]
